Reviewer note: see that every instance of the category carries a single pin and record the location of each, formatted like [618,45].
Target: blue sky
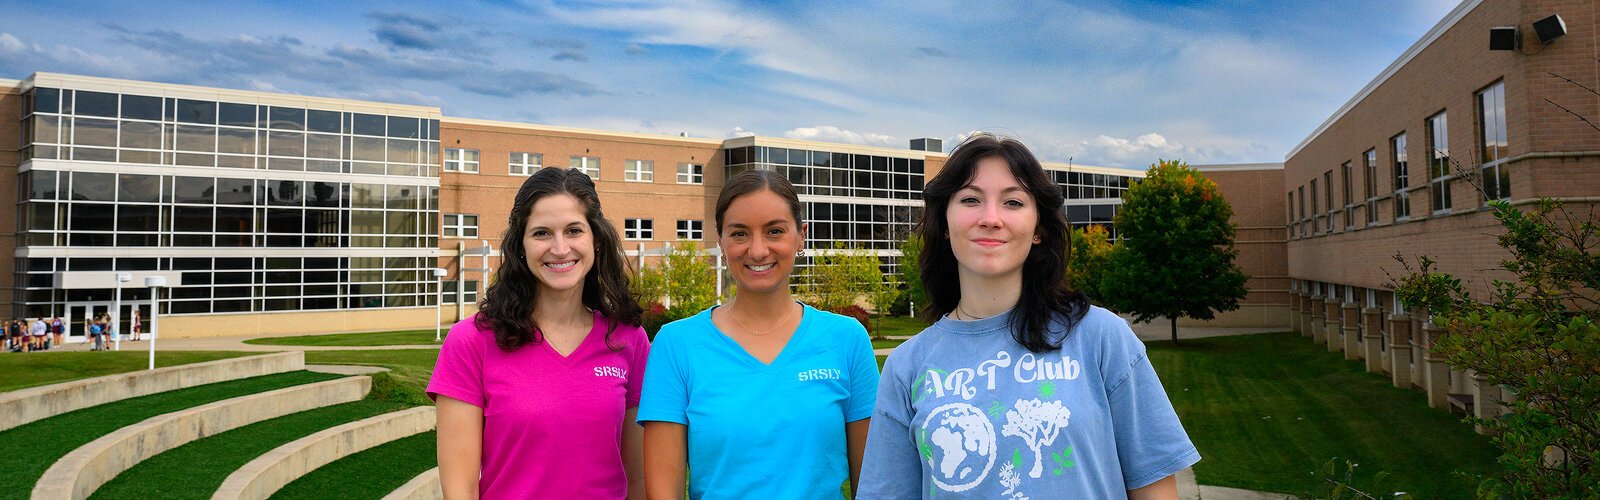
[1103,82]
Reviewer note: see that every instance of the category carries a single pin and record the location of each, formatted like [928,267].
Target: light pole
[116,309]
[155,283]
[438,303]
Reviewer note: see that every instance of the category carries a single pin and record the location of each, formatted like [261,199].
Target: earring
[1036,239]
[801,253]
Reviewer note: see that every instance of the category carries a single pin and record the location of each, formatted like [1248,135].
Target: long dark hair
[507,307]
[1044,287]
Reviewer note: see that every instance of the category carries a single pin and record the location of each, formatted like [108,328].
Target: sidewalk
[1159,330]
[228,344]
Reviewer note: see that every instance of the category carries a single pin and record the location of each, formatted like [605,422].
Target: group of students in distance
[1019,389]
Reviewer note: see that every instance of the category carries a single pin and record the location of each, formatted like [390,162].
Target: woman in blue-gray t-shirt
[762,397]
[1020,389]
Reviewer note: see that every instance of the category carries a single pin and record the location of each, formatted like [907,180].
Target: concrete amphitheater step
[423,487]
[34,403]
[76,475]
[273,470]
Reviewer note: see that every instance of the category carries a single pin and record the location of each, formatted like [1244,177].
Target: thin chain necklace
[753,331]
[963,312]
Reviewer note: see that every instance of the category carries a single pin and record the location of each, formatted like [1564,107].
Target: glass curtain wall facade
[258,207]
[1093,198]
[863,200]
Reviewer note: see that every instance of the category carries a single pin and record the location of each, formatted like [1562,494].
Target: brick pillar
[1294,313]
[1436,374]
[1318,318]
[1350,319]
[1372,321]
[1334,324]
[1400,349]
[1305,315]
[1485,400]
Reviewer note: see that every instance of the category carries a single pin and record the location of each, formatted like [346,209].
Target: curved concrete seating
[273,470]
[26,405]
[423,487]
[76,475]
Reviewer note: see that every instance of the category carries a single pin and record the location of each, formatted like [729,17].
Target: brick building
[1407,167]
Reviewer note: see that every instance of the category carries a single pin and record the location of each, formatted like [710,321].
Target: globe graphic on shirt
[959,446]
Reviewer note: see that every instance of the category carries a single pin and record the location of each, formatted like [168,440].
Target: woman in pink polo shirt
[537,392]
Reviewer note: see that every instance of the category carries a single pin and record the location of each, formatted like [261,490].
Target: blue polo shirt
[756,430]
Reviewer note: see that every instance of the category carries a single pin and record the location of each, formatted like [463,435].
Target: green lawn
[32,448]
[1266,410]
[403,337]
[24,370]
[898,326]
[371,473]
[409,370]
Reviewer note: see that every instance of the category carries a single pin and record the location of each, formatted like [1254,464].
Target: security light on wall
[1550,28]
[1503,38]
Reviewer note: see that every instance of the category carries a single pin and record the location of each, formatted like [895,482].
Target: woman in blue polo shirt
[763,397]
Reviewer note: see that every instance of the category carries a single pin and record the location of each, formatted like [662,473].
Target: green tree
[690,282]
[1537,336]
[910,252]
[884,293]
[1176,254]
[840,276]
[1091,256]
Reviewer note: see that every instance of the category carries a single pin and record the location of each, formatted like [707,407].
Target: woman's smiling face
[993,222]
[759,236]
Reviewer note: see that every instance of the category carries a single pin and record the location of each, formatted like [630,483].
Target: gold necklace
[753,331]
[963,312]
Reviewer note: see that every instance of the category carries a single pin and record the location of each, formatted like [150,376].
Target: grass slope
[371,473]
[1266,410]
[24,370]
[31,449]
[409,370]
[404,337]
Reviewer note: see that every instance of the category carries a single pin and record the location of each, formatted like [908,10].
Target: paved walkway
[232,344]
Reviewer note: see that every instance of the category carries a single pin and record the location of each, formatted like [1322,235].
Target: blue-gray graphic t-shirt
[965,411]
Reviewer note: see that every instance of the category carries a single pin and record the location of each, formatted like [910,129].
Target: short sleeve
[891,466]
[863,376]
[459,371]
[1151,442]
[638,356]
[665,395]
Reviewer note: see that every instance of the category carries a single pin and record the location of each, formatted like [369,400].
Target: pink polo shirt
[552,424]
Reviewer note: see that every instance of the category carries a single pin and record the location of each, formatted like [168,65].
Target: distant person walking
[135,325]
[40,334]
[96,334]
[59,329]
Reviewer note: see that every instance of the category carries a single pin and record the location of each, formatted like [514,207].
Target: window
[460,226]
[691,229]
[461,160]
[1327,196]
[638,229]
[1316,225]
[1439,175]
[1492,131]
[1303,213]
[691,173]
[467,295]
[639,171]
[1292,220]
[1402,199]
[1370,161]
[525,163]
[1345,172]
[589,165]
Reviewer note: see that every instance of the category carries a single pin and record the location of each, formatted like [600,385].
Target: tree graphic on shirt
[1037,423]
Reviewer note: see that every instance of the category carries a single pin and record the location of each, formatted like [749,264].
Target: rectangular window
[1303,213]
[692,173]
[1345,174]
[638,229]
[461,160]
[639,171]
[525,163]
[1439,174]
[1492,132]
[1402,199]
[691,229]
[1370,170]
[460,226]
[1316,225]
[589,165]
[1327,196]
[1290,210]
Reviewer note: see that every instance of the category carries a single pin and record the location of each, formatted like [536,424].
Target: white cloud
[10,44]
[739,132]
[830,133]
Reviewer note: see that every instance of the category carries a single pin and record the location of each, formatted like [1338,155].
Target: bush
[857,312]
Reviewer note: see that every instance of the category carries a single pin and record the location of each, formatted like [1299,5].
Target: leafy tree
[884,292]
[1537,336]
[840,276]
[910,253]
[1176,256]
[684,279]
[1091,256]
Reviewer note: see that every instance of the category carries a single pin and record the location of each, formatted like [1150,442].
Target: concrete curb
[346,369]
[423,487]
[34,403]
[273,470]
[79,473]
